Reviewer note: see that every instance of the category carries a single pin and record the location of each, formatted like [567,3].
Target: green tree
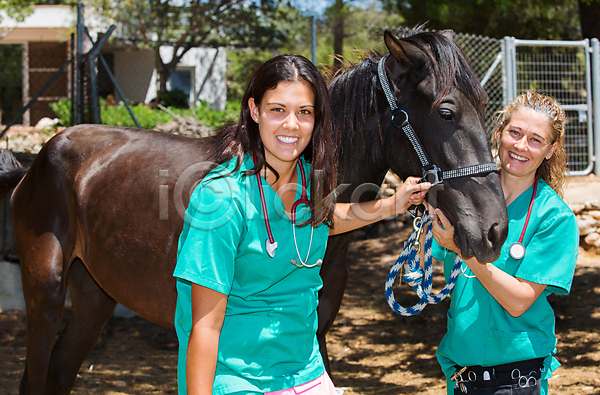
[185,24]
[16,9]
[19,9]
[363,27]
[525,19]
[339,13]
[589,15]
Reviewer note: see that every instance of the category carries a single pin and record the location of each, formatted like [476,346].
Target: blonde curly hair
[553,170]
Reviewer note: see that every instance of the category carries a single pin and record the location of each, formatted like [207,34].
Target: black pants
[518,378]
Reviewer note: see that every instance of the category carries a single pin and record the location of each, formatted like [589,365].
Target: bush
[149,118]
[62,109]
[175,98]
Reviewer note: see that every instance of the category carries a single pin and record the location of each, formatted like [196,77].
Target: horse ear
[407,55]
[449,34]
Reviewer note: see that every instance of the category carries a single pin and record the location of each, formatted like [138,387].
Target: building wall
[137,77]
[134,72]
[209,82]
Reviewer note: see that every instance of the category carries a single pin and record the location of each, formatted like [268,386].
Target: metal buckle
[432,174]
[395,114]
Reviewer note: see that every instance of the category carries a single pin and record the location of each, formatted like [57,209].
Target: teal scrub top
[480,331]
[268,340]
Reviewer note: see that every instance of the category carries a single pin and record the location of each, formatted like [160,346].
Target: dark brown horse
[100,209]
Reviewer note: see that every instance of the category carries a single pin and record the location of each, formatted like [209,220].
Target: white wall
[200,59]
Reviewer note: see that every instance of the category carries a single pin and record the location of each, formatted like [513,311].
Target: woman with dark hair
[254,238]
[500,337]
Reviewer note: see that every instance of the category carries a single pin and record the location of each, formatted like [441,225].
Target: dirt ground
[373,350]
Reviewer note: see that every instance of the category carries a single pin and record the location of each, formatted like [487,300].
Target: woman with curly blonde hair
[500,337]
[553,170]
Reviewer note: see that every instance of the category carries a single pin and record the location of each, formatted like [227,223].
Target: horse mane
[354,90]
[354,101]
[451,66]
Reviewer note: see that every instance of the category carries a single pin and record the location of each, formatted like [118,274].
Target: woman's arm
[351,216]
[208,312]
[515,294]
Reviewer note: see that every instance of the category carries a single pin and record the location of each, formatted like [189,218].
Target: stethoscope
[270,243]
[517,249]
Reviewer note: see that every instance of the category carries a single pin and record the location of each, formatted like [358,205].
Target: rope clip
[418,227]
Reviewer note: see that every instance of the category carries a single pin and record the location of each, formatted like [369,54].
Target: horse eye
[445,114]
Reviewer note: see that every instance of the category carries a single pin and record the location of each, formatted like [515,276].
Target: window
[182,79]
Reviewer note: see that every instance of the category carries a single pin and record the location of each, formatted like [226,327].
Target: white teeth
[287,140]
[517,157]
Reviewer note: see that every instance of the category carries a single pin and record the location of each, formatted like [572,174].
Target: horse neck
[359,108]
[365,165]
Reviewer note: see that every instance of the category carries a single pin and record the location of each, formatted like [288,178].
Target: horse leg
[334,273]
[44,289]
[91,309]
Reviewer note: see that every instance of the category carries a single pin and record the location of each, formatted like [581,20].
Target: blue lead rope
[421,280]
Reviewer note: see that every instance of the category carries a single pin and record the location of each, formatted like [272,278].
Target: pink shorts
[322,385]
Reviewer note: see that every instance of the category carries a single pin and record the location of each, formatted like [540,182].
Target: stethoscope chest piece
[270,247]
[516,250]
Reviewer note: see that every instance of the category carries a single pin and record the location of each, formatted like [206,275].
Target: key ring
[516,376]
[524,381]
[473,378]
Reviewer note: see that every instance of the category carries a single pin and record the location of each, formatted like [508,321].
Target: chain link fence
[485,54]
[24,70]
[11,75]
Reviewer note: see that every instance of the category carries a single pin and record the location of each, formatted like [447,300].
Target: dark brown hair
[236,140]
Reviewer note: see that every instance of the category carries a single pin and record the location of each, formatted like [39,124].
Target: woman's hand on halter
[411,192]
[351,216]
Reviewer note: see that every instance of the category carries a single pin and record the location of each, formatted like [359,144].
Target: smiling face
[525,142]
[286,119]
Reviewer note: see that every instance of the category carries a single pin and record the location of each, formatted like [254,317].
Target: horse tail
[11,172]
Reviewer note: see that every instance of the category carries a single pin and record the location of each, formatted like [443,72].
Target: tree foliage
[185,24]
[20,9]
[16,9]
[363,27]
[525,19]
[589,15]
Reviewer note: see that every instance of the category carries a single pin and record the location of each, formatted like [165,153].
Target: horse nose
[495,236]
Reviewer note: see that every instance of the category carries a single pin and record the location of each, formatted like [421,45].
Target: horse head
[440,97]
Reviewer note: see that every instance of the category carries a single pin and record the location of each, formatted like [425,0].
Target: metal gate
[562,69]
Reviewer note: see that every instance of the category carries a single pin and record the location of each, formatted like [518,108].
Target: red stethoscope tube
[517,249]
[271,244]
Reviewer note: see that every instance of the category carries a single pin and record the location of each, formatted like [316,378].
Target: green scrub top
[480,331]
[268,340]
